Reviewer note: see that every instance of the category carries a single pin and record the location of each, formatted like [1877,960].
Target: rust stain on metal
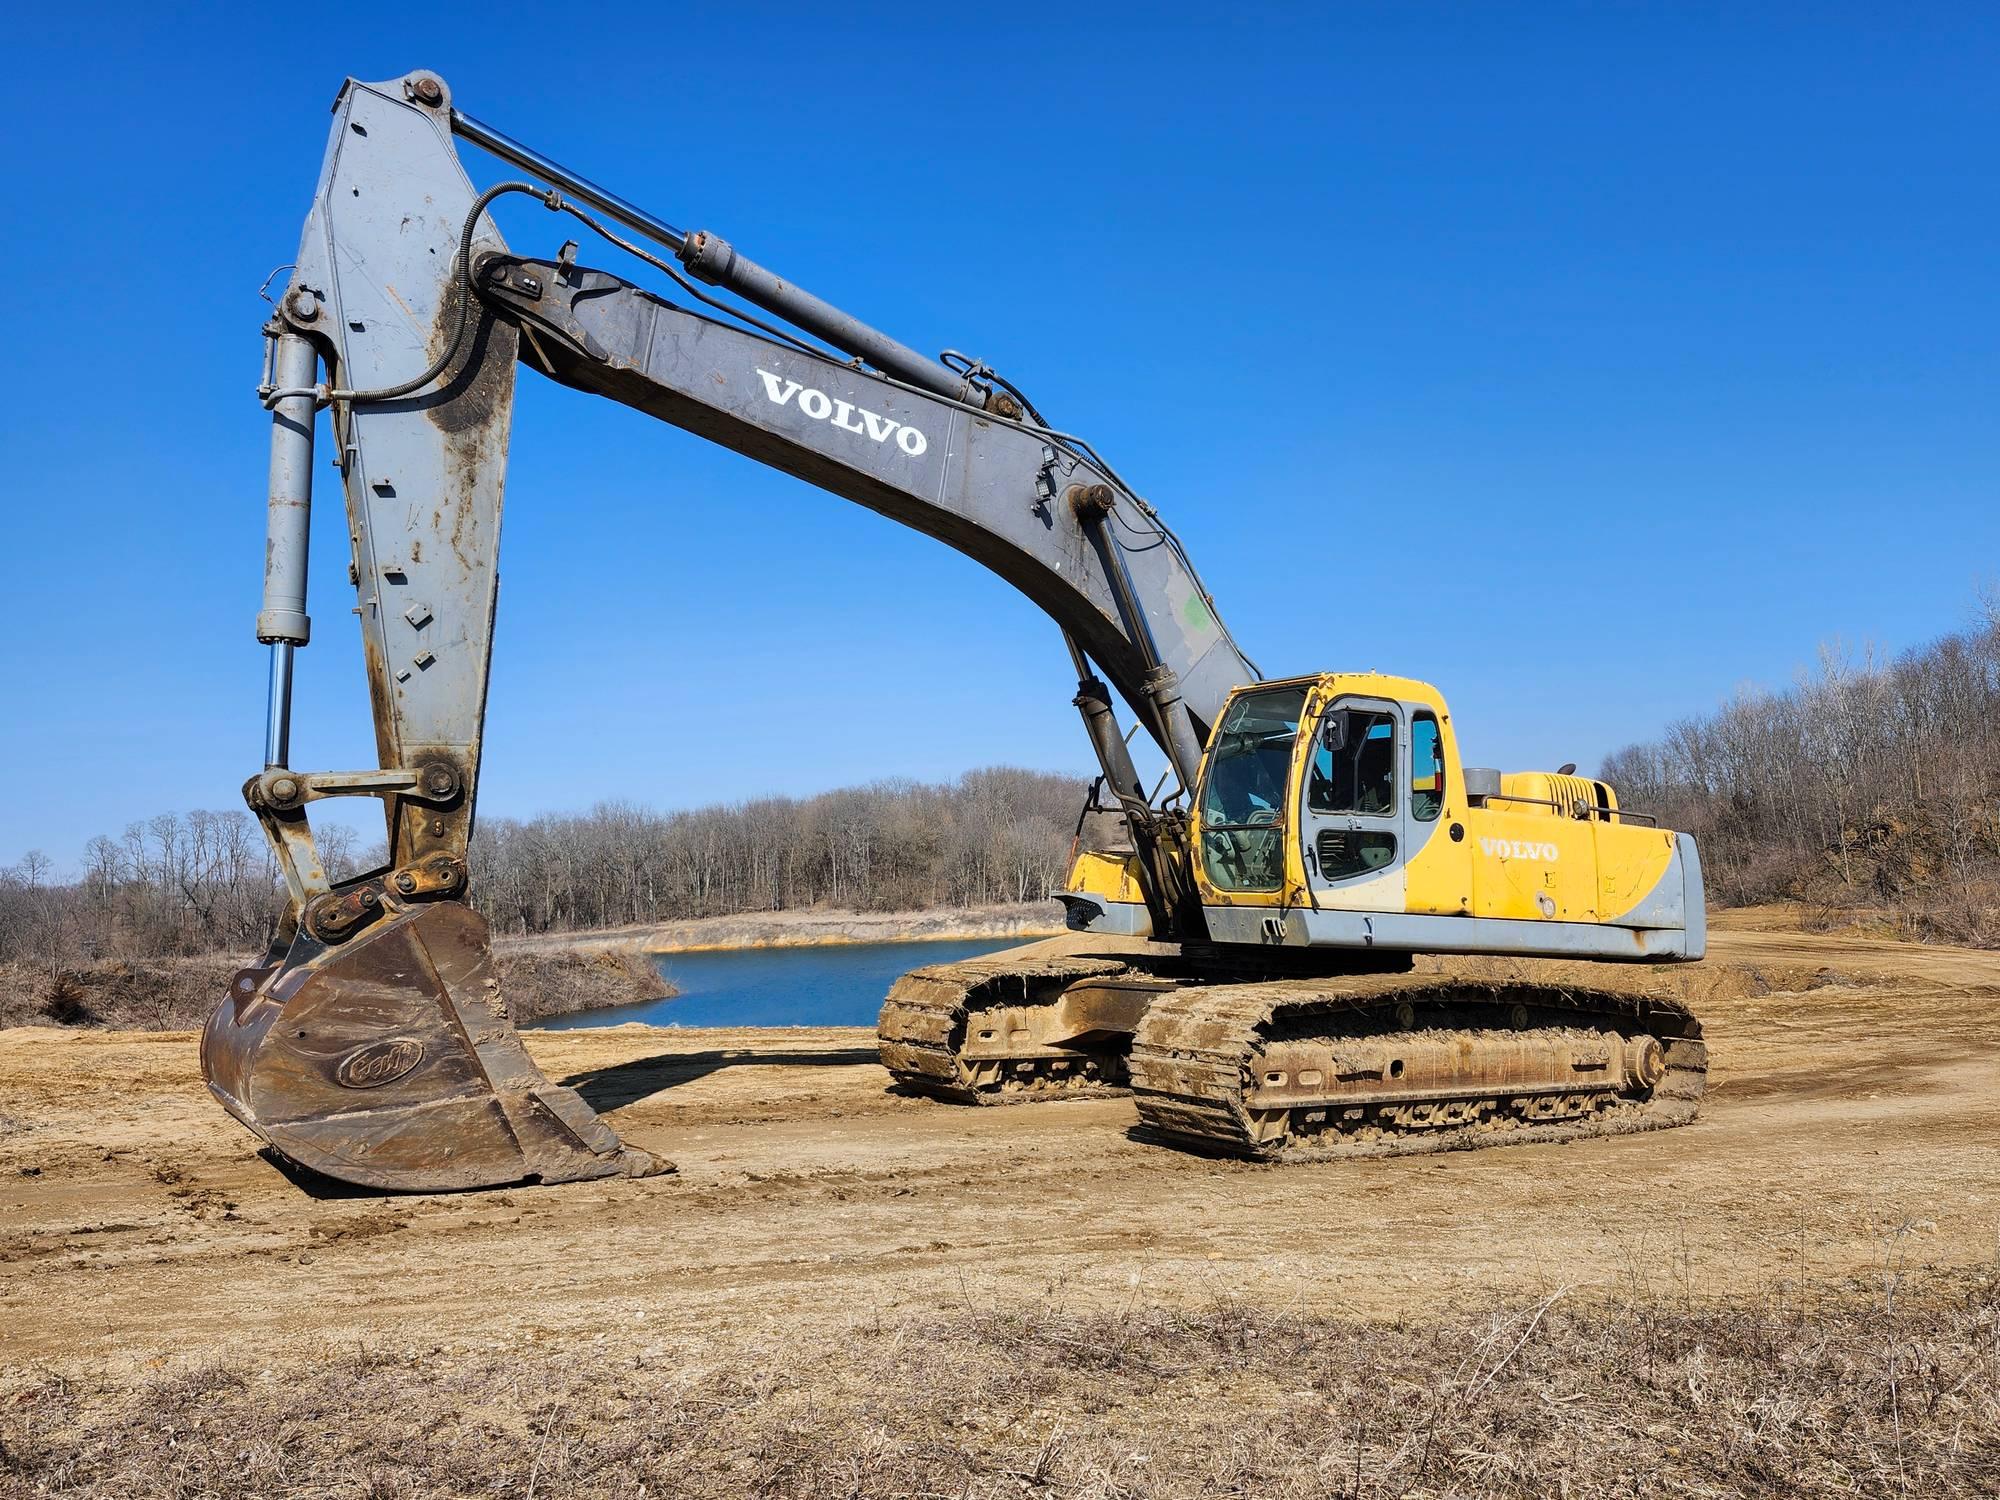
[471,409]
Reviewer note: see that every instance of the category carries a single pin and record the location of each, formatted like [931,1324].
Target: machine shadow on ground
[627,1083]
[318,1186]
[605,1089]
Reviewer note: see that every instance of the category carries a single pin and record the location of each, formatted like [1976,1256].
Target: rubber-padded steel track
[923,1028]
[1195,1061]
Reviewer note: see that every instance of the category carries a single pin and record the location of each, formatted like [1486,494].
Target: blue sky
[1588,361]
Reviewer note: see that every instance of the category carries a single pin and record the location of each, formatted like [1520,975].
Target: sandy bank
[822,926]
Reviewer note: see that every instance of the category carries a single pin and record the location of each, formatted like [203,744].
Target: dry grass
[1958,910]
[1890,1388]
[153,994]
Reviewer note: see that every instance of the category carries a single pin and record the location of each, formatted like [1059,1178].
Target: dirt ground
[1850,1121]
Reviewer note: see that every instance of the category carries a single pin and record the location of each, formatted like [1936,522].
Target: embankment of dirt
[179,994]
[815,927]
[559,983]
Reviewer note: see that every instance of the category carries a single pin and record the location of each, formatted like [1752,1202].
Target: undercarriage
[1307,1067]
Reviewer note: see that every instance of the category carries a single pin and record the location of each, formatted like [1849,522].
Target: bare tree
[204,881]
[1867,783]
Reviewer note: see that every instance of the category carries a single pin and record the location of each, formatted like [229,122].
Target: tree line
[1868,782]
[205,882]
[995,835]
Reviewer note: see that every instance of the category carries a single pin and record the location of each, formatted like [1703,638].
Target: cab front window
[1243,796]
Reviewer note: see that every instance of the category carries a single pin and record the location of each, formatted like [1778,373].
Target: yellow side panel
[1537,867]
[1531,866]
[1106,875]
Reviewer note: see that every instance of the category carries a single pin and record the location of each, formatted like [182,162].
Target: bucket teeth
[392,1062]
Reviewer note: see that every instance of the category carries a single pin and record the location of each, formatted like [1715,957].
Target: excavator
[1255,958]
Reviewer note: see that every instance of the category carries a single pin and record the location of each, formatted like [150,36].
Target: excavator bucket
[391,1062]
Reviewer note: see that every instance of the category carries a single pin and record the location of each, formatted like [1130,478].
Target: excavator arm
[375,1044]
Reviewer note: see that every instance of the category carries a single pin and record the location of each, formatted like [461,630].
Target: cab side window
[1356,772]
[1426,766]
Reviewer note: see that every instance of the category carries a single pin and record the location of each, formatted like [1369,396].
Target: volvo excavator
[1244,963]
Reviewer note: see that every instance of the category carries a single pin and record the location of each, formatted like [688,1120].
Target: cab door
[1353,805]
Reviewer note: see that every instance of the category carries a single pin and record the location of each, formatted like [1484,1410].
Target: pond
[839,984]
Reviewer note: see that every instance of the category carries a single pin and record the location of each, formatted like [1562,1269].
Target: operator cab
[1370,789]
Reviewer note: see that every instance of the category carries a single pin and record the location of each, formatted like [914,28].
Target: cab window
[1426,767]
[1344,852]
[1353,766]
[1243,797]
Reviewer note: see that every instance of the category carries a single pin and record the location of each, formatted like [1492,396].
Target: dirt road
[1852,1106]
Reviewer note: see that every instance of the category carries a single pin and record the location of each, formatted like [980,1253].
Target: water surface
[837,985]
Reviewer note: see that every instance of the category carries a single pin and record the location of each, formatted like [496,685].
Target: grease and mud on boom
[1314,834]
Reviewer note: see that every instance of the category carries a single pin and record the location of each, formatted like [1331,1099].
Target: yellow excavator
[1243,957]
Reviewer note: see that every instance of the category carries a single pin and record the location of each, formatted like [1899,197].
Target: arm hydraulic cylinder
[711,258]
[282,623]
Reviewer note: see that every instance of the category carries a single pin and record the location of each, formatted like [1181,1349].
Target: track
[926,1023]
[1203,1056]
[1491,1060]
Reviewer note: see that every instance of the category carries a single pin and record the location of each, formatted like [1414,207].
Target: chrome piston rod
[282,623]
[712,259]
[278,708]
[531,161]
